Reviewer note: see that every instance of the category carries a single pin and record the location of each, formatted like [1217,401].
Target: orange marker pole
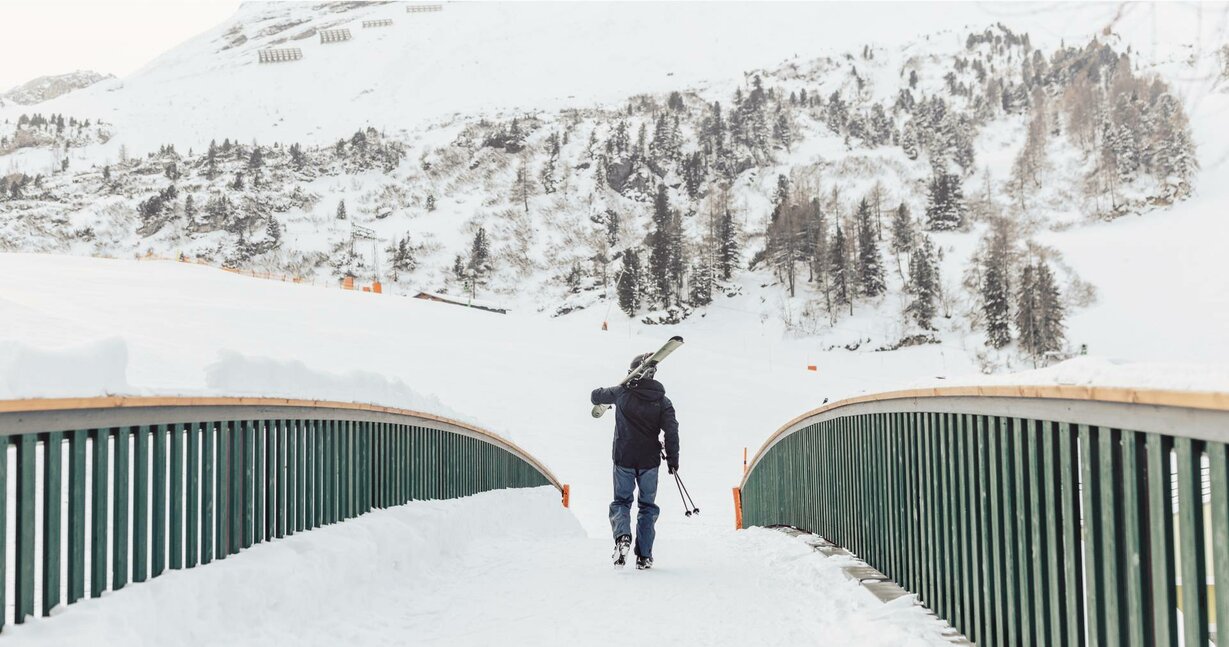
[567,494]
[738,509]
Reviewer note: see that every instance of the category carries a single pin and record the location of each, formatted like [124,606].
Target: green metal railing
[1023,516]
[117,490]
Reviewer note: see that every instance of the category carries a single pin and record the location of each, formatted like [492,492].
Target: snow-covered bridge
[1047,515]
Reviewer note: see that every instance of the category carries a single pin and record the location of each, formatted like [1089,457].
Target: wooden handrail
[1202,400]
[37,405]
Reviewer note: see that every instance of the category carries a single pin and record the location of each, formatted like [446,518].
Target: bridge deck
[508,567]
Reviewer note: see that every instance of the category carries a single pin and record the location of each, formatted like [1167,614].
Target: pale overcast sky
[44,37]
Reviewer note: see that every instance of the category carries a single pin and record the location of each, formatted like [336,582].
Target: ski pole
[679,485]
[694,509]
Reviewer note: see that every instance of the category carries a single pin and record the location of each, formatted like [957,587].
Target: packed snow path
[506,567]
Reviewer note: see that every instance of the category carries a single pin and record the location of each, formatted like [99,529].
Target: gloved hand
[672,467]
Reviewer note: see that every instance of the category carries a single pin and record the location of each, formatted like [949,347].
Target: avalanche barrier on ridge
[178,482]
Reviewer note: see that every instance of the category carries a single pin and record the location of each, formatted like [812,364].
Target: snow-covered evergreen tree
[1026,312]
[870,263]
[480,253]
[630,284]
[838,269]
[1050,311]
[903,235]
[945,206]
[996,292]
[923,284]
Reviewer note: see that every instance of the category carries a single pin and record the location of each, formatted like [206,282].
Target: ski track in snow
[509,567]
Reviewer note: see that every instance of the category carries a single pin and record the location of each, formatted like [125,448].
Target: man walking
[642,412]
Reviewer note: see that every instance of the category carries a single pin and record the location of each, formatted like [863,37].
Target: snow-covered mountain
[525,153]
[45,88]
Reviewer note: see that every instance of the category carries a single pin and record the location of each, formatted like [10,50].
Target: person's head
[640,359]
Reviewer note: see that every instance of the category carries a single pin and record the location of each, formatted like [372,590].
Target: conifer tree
[665,250]
[945,206]
[902,235]
[821,253]
[838,264]
[296,156]
[727,245]
[701,287]
[547,176]
[870,264]
[273,232]
[341,209]
[923,285]
[402,253]
[996,291]
[1050,314]
[1026,312]
[522,187]
[480,253]
[630,283]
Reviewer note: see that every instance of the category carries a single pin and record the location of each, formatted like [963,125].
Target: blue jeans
[626,481]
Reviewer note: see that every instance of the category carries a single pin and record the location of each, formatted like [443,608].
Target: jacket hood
[649,390]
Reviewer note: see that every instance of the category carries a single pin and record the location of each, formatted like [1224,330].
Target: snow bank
[1105,372]
[93,368]
[100,368]
[235,374]
[311,582]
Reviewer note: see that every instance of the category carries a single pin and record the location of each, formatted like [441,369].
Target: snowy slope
[494,60]
[480,56]
[163,327]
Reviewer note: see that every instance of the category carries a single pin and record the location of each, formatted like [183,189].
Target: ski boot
[622,545]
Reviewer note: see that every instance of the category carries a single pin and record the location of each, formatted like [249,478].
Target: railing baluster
[140,505]
[193,522]
[1218,468]
[120,547]
[1094,547]
[78,441]
[234,484]
[53,459]
[300,498]
[279,516]
[1038,511]
[1133,477]
[177,496]
[98,514]
[221,489]
[23,600]
[260,484]
[987,459]
[208,437]
[249,482]
[1054,520]
[1073,563]
[159,516]
[1190,523]
[292,476]
[1111,523]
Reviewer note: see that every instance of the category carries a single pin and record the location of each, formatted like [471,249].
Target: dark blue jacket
[642,411]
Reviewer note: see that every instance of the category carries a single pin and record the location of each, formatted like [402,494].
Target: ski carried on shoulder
[662,353]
